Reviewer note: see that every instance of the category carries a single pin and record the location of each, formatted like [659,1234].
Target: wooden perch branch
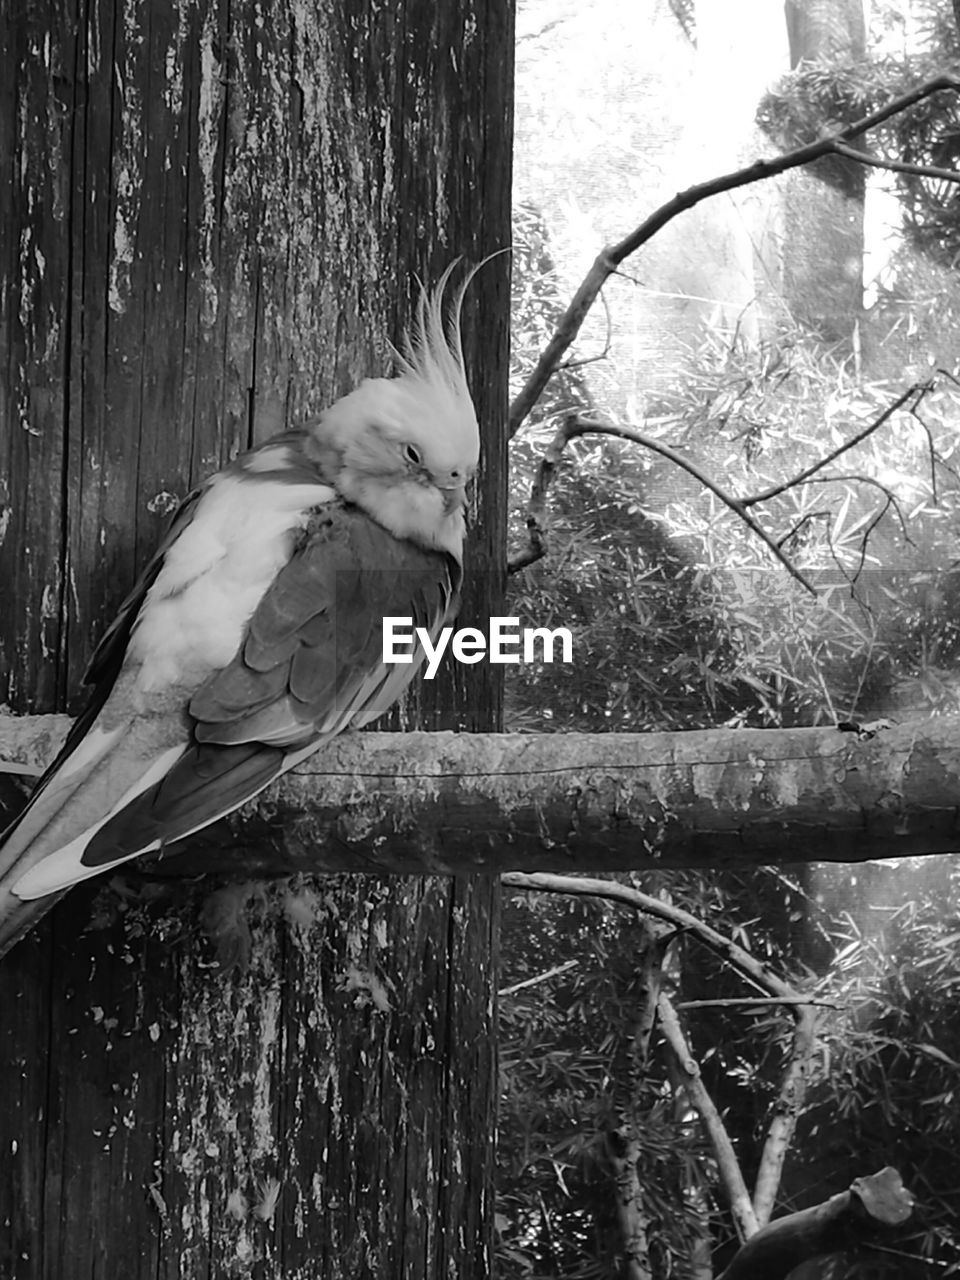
[445,803]
[610,258]
[846,1221]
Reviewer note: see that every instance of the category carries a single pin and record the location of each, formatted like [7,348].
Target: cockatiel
[255,632]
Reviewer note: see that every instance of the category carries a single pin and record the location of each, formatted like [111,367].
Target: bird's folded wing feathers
[310,664]
[115,740]
[101,673]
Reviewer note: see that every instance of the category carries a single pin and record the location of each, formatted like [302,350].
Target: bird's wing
[185,617]
[105,664]
[309,665]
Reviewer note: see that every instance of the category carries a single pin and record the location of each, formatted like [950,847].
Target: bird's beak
[454,499]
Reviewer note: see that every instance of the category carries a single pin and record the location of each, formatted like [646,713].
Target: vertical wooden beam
[210,215]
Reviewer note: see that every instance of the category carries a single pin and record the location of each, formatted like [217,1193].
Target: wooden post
[209,222]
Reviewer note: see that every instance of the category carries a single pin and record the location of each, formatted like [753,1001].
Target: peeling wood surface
[210,219]
[454,803]
[172,1098]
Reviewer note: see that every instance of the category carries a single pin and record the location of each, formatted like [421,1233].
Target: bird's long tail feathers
[108,768]
[146,787]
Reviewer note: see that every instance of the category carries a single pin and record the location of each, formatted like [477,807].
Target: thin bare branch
[808,517]
[536,547]
[749,1002]
[919,389]
[607,343]
[587,886]
[538,978]
[576,426]
[728,1165]
[932,450]
[855,477]
[895,166]
[865,536]
[612,256]
[786,1107]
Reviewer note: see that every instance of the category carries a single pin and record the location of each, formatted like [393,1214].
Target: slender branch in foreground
[728,1165]
[587,426]
[612,256]
[575,426]
[855,477]
[789,1100]
[746,964]
[753,1002]
[538,978]
[536,547]
[895,166]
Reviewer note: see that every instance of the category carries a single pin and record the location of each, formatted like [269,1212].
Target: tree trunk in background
[210,216]
[823,248]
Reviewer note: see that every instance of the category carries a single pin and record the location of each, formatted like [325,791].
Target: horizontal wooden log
[844,1223]
[456,803]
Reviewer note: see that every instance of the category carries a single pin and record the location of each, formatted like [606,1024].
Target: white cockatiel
[255,633]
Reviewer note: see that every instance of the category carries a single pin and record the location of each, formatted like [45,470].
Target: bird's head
[405,448]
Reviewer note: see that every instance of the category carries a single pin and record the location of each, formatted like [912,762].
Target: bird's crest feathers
[428,399]
[404,448]
[431,361]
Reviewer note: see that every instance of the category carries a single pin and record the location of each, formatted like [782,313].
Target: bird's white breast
[214,576]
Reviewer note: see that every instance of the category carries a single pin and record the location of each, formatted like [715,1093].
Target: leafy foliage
[818,97]
[890,1078]
[565,1062]
[681,619]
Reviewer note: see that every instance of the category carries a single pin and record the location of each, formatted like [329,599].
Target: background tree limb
[728,1165]
[846,1221]
[610,258]
[796,1075]
[576,426]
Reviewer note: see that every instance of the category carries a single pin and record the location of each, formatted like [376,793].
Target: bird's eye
[412,454]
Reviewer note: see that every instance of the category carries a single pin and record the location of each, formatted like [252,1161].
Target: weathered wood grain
[212,220]
[458,803]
